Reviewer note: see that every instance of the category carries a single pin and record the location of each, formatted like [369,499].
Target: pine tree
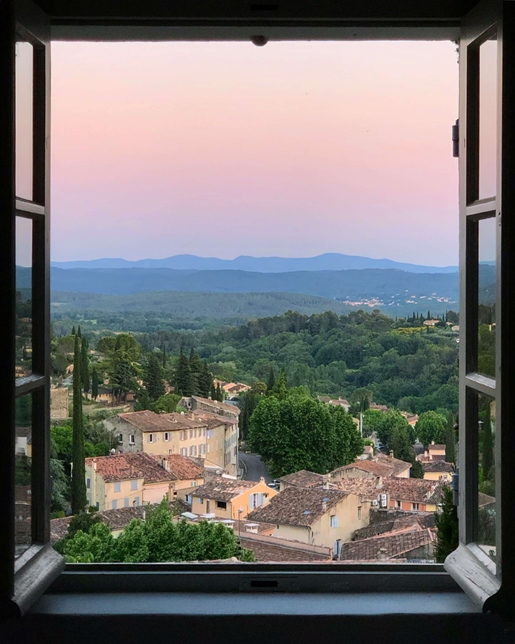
[78,487]
[450,445]
[94,384]
[271,380]
[205,381]
[183,379]
[446,523]
[195,370]
[85,380]
[280,388]
[153,379]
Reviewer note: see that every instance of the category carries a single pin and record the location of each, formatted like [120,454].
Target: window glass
[23,475]
[486,497]
[23,297]
[24,123]
[488,118]
[486,296]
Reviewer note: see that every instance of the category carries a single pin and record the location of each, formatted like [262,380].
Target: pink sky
[226,149]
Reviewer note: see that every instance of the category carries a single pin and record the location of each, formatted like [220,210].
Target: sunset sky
[227,149]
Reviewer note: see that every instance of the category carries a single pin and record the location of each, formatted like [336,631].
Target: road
[252,467]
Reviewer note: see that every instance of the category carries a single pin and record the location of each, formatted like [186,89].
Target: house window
[151,438]
[88,483]
[414,507]
[188,498]
[334,521]
[114,504]
[120,439]
[136,500]
[126,502]
[200,501]
[181,435]
[184,451]
[131,439]
[194,484]
[221,505]
[398,504]
[134,484]
[117,486]
[359,513]
[167,436]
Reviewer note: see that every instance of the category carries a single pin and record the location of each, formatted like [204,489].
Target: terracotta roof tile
[181,467]
[412,490]
[148,421]
[135,465]
[303,478]
[437,466]
[232,409]
[387,546]
[277,552]
[222,489]
[298,506]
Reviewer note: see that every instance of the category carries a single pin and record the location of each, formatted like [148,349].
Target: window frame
[70,30]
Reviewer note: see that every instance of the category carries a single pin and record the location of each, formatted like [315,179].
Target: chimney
[382,554]
[324,506]
[391,453]
[262,480]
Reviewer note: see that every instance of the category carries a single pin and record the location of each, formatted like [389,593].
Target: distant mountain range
[325,262]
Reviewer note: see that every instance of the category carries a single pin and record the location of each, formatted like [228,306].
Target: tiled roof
[366,488]
[485,499]
[210,419]
[148,421]
[232,409]
[303,478]
[135,465]
[222,489]
[286,551]
[436,447]
[387,546]
[396,464]
[412,490]
[298,506]
[182,467]
[404,522]
[437,466]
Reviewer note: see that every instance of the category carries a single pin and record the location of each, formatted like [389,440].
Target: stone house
[228,498]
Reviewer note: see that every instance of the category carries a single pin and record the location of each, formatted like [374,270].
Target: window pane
[24,126]
[486,499]
[23,474]
[486,296]
[23,296]
[488,118]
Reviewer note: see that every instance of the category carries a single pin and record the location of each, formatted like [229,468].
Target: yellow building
[228,498]
[318,516]
[437,470]
[126,480]
[187,475]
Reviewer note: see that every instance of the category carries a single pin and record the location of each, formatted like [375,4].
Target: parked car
[273,483]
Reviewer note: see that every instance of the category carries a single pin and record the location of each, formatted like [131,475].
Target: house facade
[126,480]
[229,498]
[318,516]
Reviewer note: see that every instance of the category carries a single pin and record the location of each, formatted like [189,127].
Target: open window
[487,230]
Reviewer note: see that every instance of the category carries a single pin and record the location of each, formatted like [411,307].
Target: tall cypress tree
[94,384]
[205,381]
[219,393]
[84,365]
[154,377]
[195,370]
[183,379]
[78,487]
[271,380]
[212,391]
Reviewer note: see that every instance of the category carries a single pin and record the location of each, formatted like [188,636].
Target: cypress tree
[195,370]
[79,333]
[164,355]
[219,393]
[183,379]
[271,380]
[446,523]
[94,384]
[78,487]
[205,381]
[73,330]
[154,377]
[212,391]
[84,366]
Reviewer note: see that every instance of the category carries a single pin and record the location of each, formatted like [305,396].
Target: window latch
[456,139]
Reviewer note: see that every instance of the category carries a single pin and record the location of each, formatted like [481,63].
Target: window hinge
[456,139]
